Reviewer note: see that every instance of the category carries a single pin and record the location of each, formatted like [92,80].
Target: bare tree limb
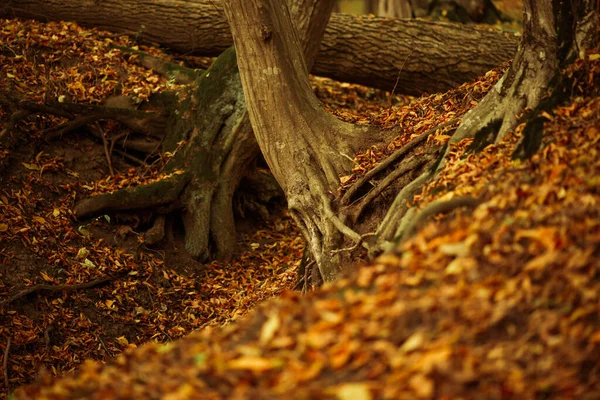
[55,288]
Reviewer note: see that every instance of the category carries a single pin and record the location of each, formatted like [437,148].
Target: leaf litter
[498,302]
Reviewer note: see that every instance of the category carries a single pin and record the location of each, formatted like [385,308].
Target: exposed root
[145,196]
[356,245]
[102,113]
[307,273]
[338,223]
[157,232]
[387,229]
[55,288]
[410,165]
[401,152]
[175,72]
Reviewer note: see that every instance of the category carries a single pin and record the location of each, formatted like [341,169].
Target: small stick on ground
[105,144]
[56,288]
[5,363]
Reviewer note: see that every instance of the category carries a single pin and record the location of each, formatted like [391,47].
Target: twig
[56,288]
[129,157]
[398,78]
[105,145]
[5,363]
[113,140]
[110,355]
[391,159]
[47,331]
[351,248]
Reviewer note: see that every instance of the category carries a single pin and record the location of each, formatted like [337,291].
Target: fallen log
[412,56]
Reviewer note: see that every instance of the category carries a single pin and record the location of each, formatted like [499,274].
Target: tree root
[306,272]
[145,196]
[356,245]
[387,229]
[172,71]
[402,151]
[338,223]
[157,232]
[410,165]
[413,219]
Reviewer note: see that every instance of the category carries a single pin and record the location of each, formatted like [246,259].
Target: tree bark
[554,33]
[413,56]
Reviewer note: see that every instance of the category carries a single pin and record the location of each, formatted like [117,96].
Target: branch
[55,288]
[180,75]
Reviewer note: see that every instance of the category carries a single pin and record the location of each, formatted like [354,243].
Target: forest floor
[500,301]
[137,294]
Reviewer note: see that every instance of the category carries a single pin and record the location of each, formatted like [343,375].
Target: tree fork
[211,138]
[306,148]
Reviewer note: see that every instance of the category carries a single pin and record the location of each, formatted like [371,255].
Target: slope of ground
[502,301]
[499,302]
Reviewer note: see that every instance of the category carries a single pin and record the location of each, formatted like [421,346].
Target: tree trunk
[554,33]
[413,56]
[304,146]
[394,9]
[307,149]
[210,135]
